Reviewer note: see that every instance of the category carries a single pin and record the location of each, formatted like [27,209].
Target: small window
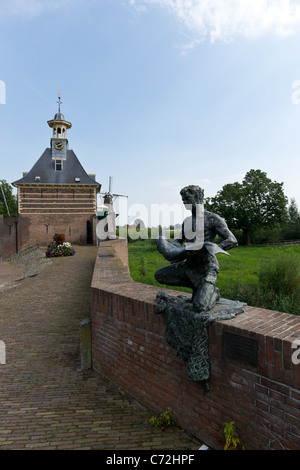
[58,165]
[37,178]
[77,180]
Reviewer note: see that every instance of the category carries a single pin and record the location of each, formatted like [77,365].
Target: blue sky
[160,93]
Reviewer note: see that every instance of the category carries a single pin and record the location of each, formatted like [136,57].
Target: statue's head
[192,195]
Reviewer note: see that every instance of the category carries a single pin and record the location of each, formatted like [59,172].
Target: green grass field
[240,268]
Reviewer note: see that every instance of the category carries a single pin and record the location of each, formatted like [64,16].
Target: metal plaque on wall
[240,348]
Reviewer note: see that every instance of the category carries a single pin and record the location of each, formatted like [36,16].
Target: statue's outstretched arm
[229,241]
[170,251]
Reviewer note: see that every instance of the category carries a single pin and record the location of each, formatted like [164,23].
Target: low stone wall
[253,380]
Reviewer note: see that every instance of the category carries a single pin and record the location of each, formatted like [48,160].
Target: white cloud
[225,19]
[30,8]
[139,7]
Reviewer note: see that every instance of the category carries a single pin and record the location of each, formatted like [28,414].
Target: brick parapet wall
[8,236]
[129,346]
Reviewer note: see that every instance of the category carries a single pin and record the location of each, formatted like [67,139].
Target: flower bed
[59,247]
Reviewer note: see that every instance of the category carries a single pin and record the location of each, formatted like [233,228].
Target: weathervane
[59,100]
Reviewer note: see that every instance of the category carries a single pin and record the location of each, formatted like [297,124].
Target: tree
[8,201]
[257,202]
[293,212]
[291,228]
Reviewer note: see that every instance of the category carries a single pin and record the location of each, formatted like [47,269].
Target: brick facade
[45,210]
[39,229]
[129,346]
[57,200]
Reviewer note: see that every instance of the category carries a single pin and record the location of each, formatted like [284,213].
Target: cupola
[59,124]
[59,142]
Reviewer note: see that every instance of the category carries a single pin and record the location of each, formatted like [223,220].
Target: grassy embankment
[262,276]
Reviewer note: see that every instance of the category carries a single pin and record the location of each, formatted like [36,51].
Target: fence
[284,242]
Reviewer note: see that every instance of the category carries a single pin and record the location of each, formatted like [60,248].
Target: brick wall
[25,231]
[8,236]
[39,228]
[262,395]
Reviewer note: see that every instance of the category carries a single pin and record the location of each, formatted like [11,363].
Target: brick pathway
[46,401]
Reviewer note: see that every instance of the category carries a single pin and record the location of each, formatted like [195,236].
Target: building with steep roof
[57,195]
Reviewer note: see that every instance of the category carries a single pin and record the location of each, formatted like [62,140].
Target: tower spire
[59,100]
[59,126]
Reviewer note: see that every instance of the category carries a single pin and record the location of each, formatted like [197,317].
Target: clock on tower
[59,142]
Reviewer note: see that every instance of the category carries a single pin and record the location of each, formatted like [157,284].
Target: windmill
[108,199]
[106,227]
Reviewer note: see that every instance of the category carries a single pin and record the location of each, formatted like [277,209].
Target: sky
[160,93]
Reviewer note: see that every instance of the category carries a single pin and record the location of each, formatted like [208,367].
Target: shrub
[164,420]
[281,275]
[231,437]
[277,288]
[59,247]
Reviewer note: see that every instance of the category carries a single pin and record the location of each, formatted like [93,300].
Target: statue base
[186,330]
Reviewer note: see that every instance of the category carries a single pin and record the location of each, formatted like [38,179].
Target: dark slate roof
[45,169]
[59,117]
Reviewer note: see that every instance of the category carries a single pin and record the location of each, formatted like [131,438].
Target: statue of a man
[193,257]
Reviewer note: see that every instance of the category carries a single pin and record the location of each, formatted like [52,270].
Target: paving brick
[46,400]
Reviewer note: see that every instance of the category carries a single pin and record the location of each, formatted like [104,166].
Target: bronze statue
[193,261]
